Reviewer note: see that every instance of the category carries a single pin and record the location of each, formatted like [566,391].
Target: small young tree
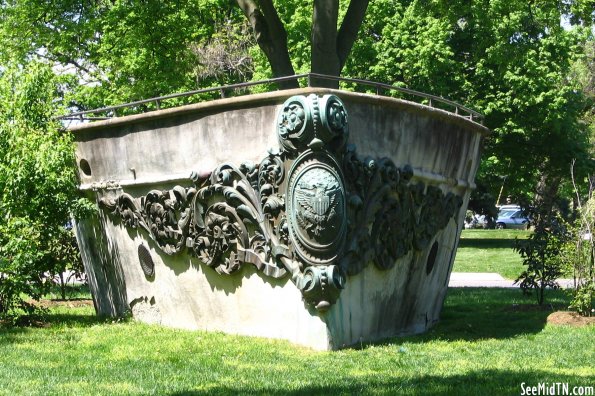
[68,264]
[541,254]
[578,255]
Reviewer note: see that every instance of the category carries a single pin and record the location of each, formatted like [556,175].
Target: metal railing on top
[380,89]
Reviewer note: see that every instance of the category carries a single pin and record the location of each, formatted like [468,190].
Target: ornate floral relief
[313,209]
[164,214]
[390,216]
[295,126]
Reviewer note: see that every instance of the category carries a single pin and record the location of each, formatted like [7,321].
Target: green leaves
[578,256]
[506,59]
[119,51]
[541,254]
[38,188]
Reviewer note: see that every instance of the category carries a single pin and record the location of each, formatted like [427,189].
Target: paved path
[490,279]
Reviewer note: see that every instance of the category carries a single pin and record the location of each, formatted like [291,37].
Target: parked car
[511,216]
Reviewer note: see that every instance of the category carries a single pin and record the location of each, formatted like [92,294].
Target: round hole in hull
[432,258]
[85,167]
[146,261]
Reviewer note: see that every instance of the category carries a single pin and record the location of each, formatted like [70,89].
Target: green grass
[482,346]
[73,292]
[490,251]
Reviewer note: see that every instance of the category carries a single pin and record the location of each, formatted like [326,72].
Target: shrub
[38,191]
[579,256]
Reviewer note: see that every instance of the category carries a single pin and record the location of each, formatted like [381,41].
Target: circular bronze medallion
[316,208]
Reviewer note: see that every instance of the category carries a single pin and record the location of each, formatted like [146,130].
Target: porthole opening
[85,167]
[432,258]
[146,261]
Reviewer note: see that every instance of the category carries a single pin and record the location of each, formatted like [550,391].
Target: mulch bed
[568,318]
[558,315]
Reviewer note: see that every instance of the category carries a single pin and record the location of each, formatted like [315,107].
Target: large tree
[506,58]
[330,47]
[125,50]
[510,60]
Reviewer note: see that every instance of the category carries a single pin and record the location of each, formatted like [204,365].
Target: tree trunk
[540,293]
[271,37]
[325,59]
[62,286]
[349,29]
[330,49]
[544,200]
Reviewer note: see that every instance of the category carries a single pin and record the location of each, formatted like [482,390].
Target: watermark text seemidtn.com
[555,389]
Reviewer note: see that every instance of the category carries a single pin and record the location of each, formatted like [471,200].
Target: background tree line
[510,60]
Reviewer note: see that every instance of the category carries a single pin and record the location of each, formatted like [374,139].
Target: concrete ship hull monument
[319,216]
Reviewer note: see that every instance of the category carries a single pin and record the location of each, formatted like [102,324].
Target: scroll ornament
[313,209]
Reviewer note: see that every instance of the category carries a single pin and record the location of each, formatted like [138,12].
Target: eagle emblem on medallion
[317,194]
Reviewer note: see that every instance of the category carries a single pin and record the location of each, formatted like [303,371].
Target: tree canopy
[118,51]
[511,60]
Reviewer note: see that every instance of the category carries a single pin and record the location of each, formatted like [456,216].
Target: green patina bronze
[312,210]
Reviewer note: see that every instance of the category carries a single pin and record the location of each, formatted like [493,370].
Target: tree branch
[270,14]
[271,37]
[63,59]
[349,28]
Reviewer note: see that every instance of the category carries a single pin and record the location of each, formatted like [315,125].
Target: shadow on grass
[487,243]
[488,382]
[480,313]
[468,314]
[76,320]
[14,334]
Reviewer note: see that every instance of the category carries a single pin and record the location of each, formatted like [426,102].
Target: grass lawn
[483,346]
[490,251]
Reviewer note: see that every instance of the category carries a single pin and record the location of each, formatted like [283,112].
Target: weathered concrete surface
[185,293]
[405,300]
[157,150]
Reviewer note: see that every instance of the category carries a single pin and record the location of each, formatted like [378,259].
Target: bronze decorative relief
[316,208]
[313,209]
